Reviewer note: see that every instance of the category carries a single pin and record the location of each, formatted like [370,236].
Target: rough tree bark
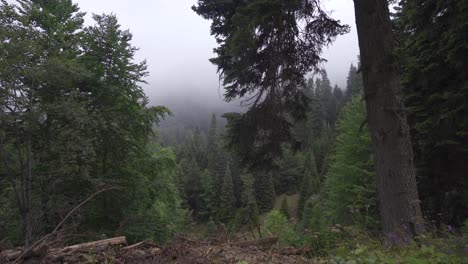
[393,155]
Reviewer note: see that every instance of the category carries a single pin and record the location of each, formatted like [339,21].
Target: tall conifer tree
[310,181]
[264,191]
[227,203]
[350,184]
[265,49]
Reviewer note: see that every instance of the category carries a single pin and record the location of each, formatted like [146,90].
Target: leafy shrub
[277,224]
[325,240]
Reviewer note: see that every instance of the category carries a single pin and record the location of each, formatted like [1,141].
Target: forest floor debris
[181,250]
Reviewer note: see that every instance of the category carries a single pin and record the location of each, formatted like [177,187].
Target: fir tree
[192,185]
[212,145]
[350,185]
[310,181]
[433,50]
[312,215]
[227,201]
[354,85]
[271,70]
[386,117]
[208,199]
[322,146]
[247,217]
[264,191]
[289,173]
[85,123]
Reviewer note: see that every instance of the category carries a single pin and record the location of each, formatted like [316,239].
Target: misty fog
[180,72]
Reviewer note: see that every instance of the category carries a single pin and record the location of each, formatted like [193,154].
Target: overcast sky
[177,44]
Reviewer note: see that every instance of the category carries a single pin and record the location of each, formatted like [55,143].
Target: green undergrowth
[435,247]
[347,244]
[344,244]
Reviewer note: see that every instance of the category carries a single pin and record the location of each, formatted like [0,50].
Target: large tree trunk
[393,155]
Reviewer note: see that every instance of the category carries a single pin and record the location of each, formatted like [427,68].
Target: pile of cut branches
[181,250]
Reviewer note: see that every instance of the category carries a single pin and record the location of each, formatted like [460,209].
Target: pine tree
[215,156]
[236,171]
[227,201]
[289,173]
[208,204]
[191,175]
[350,185]
[354,85]
[196,147]
[212,145]
[247,217]
[84,123]
[310,181]
[322,147]
[432,33]
[271,70]
[386,117]
[312,215]
[338,96]
[264,191]
[315,115]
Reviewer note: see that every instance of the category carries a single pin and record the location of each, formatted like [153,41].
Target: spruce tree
[338,97]
[85,122]
[315,116]
[354,85]
[350,184]
[227,200]
[310,181]
[289,173]
[264,52]
[196,147]
[191,174]
[264,191]
[212,145]
[208,201]
[386,117]
[247,217]
[433,50]
[312,215]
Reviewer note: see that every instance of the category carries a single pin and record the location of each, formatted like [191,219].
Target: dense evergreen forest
[374,172]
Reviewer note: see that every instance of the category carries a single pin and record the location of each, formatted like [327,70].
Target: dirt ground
[181,250]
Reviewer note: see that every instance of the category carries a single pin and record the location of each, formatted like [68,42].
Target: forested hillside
[374,172]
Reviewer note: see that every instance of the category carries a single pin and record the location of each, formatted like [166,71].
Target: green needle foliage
[434,52]
[264,191]
[265,49]
[74,119]
[310,181]
[350,185]
[227,201]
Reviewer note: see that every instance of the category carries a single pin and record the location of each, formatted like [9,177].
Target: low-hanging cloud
[177,45]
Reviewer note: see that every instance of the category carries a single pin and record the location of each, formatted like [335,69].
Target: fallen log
[141,244]
[94,245]
[56,229]
[265,242]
